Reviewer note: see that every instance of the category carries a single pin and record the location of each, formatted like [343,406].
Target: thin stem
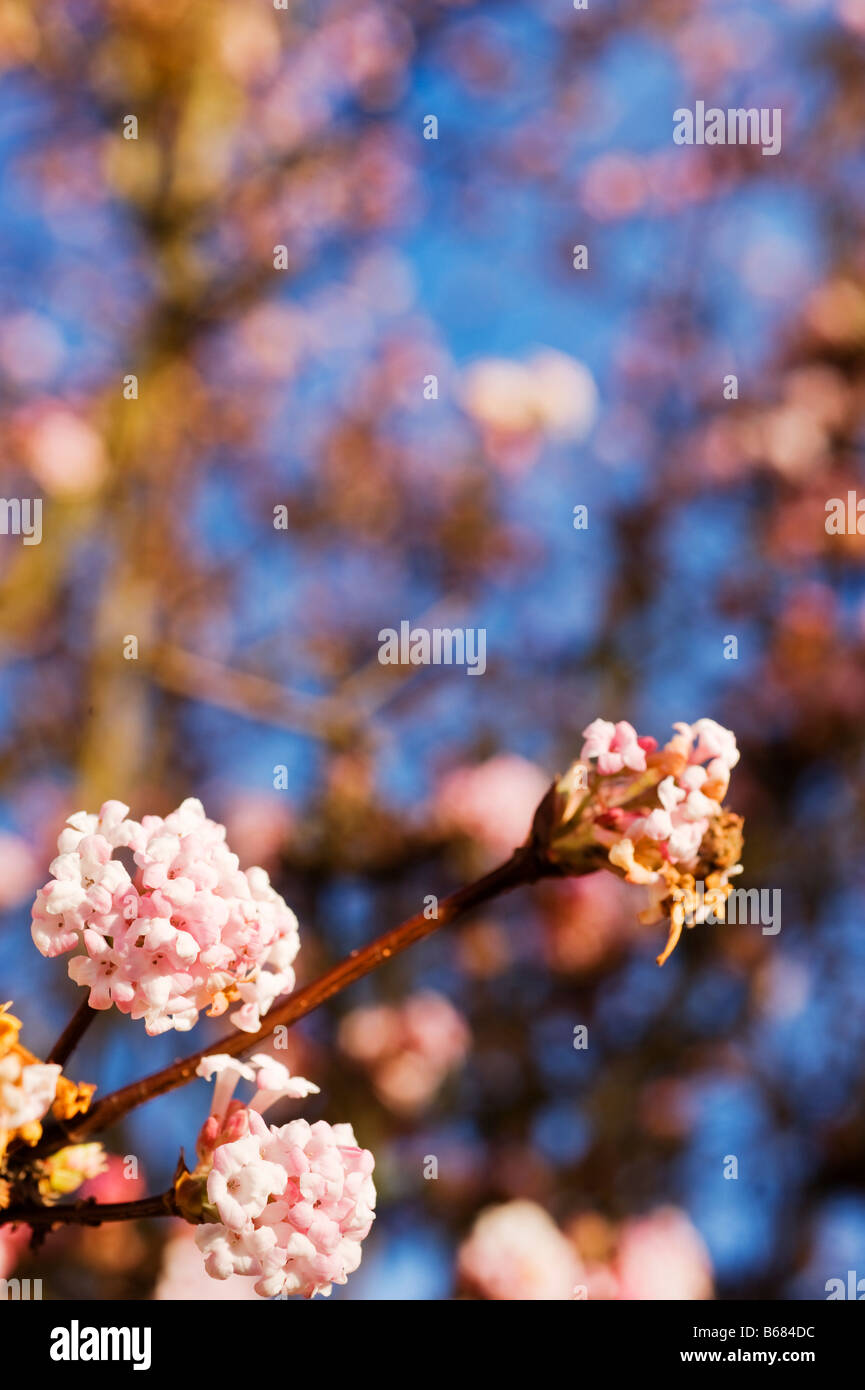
[525,866]
[72,1034]
[90,1213]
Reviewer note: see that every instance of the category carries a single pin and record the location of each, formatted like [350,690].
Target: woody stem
[89,1213]
[72,1034]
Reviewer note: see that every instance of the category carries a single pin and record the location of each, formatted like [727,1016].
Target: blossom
[26,1092]
[275,1082]
[30,1088]
[273,1079]
[614,745]
[516,1251]
[652,815]
[227,1119]
[710,743]
[286,1206]
[674,810]
[66,1170]
[182,1275]
[293,1205]
[622,857]
[186,930]
[241,1182]
[228,1071]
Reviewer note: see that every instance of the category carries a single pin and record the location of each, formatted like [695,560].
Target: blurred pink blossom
[584,919]
[517,1252]
[31,348]
[409,1049]
[63,451]
[120,1181]
[551,396]
[614,185]
[852,15]
[662,1256]
[258,826]
[18,870]
[493,802]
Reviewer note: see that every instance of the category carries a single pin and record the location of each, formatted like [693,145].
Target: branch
[525,866]
[72,1034]
[244,693]
[90,1213]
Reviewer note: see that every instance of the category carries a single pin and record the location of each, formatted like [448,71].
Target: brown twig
[72,1034]
[525,866]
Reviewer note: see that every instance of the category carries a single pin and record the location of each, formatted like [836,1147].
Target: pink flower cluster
[290,1205]
[294,1204]
[616,746]
[700,756]
[27,1092]
[188,929]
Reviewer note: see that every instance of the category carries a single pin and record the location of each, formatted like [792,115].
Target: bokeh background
[303,388]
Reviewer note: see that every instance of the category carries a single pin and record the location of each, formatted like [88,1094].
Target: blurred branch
[246,694]
[374,685]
